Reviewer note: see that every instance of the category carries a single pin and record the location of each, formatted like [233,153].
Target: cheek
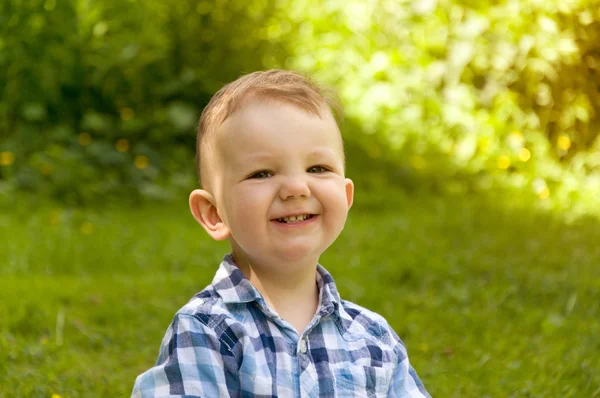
[333,196]
[249,203]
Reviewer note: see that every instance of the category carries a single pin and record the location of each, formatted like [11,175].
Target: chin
[298,253]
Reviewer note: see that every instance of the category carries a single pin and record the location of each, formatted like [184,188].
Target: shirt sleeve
[405,381]
[193,362]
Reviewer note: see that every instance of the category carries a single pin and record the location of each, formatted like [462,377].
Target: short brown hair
[271,85]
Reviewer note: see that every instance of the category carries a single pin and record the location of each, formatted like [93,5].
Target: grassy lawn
[492,298]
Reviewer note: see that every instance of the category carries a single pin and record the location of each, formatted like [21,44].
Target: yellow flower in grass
[55,395]
[122,145]
[127,113]
[141,162]
[6,158]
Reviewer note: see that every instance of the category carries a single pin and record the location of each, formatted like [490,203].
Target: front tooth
[300,217]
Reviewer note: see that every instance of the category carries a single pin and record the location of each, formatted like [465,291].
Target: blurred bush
[101,98]
[471,94]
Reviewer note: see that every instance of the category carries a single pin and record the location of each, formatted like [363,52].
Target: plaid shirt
[227,342]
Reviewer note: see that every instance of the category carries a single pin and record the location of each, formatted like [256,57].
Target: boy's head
[270,154]
[268,86]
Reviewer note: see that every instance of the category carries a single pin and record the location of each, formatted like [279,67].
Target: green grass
[493,298]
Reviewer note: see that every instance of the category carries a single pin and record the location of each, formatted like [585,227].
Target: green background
[471,133]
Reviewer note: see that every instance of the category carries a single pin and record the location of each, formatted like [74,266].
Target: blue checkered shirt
[227,342]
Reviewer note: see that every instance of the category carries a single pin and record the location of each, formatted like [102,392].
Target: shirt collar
[231,284]
[233,287]
[329,298]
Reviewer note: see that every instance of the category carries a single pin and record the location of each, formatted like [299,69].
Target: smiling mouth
[294,219]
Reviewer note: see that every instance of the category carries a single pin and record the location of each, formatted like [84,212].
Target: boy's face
[274,160]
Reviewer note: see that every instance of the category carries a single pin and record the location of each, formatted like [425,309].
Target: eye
[317,169]
[261,174]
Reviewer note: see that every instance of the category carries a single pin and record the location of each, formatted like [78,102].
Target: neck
[294,295]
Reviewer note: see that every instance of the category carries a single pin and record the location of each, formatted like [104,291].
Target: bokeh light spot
[100,28]
[503,162]
[541,188]
[516,139]
[563,142]
[524,154]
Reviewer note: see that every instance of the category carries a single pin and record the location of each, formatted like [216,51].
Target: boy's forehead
[244,131]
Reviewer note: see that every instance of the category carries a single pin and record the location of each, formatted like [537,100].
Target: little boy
[272,324]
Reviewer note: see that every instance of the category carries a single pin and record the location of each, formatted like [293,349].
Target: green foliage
[501,92]
[100,98]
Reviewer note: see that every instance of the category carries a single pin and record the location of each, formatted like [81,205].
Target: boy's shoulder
[222,297]
[205,302]
[212,306]
[364,317]
[364,322]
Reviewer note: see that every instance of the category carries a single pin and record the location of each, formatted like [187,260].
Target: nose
[294,187]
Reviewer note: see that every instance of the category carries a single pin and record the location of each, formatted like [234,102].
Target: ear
[204,210]
[349,192]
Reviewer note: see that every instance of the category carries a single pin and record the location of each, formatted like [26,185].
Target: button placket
[302,346]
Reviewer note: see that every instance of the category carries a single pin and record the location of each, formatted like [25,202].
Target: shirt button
[303,346]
